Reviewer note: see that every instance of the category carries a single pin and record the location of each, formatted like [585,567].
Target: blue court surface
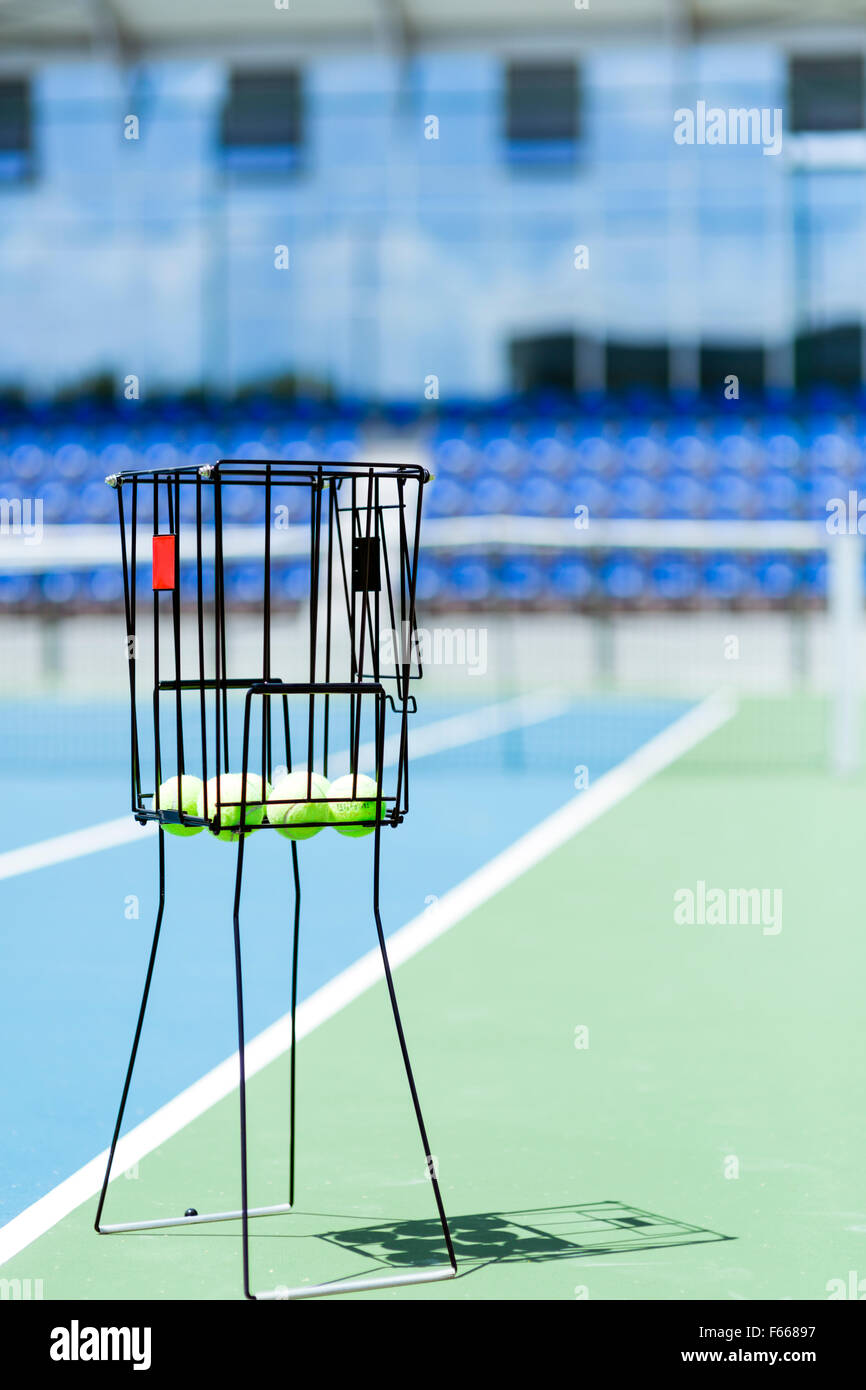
[76,935]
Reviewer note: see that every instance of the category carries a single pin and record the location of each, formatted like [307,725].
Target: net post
[845,610]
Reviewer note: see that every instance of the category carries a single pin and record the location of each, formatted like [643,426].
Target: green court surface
[706,1143]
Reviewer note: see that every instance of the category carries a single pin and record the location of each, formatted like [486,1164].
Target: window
[829,357]
[637,366]
[542,111]
[826,94]
[721,360]
[543,363]
[16,153]
[263,119]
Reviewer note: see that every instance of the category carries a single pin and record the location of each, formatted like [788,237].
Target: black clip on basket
[353,557]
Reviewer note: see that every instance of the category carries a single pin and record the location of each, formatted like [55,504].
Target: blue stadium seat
[779,497]
[297,448]
[588,491]
[446,498]
[162,453]
[59,502]
[776,576]
[189,582]
[540,496]
[552,456]
[521,578]
[503,456]
[105,586]
[725,577]
[491,495]
[341,449]
[834,451]
[642,454]
[241,503]
[813,576]
[690,452]
[115,457]
[674,578]
[572,578]
[594,454]
[29,463]
[470,580]
[72,462]
[732,497]
[624,578]
[98,503]
[682,496]
[244,583]
[736,453]
[783,448]
[430,582]
[454,457]
[633,495]
[820,489]
[17,590]
[291,583]
[63,588]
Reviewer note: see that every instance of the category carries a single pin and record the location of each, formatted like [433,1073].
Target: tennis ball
[291,821]
[343,809]
[191,802]
[230,791]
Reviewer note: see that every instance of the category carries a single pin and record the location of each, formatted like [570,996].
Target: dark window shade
[543,363]
[720,360]
[263,109]
[638,366]
[829,357]
[15,118]
[825,94]
[542,102]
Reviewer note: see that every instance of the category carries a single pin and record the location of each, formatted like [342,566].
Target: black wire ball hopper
[231,751]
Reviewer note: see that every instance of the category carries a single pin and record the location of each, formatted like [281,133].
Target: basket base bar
[386,1281]
[162,1221]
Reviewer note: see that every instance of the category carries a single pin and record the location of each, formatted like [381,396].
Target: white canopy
[132,27]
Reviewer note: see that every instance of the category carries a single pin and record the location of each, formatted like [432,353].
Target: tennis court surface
[621,1105]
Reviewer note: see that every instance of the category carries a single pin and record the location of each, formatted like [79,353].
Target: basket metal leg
[431,1167]
[295,934]
[156,1223]
[242,1089]
[136,1039]
[428,1274]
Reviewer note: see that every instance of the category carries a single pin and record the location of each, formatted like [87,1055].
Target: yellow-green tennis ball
[230,791]
[291,821]
[191,802]
[345,809]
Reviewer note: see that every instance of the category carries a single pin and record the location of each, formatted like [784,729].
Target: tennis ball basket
[215,560]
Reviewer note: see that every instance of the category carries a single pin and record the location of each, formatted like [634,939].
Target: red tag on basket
[163,562]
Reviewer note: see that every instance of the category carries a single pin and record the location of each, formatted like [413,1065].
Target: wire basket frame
[358,542]
[319,703]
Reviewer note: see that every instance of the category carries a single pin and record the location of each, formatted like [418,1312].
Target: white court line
[610,789]
[72,846]
[435,737]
